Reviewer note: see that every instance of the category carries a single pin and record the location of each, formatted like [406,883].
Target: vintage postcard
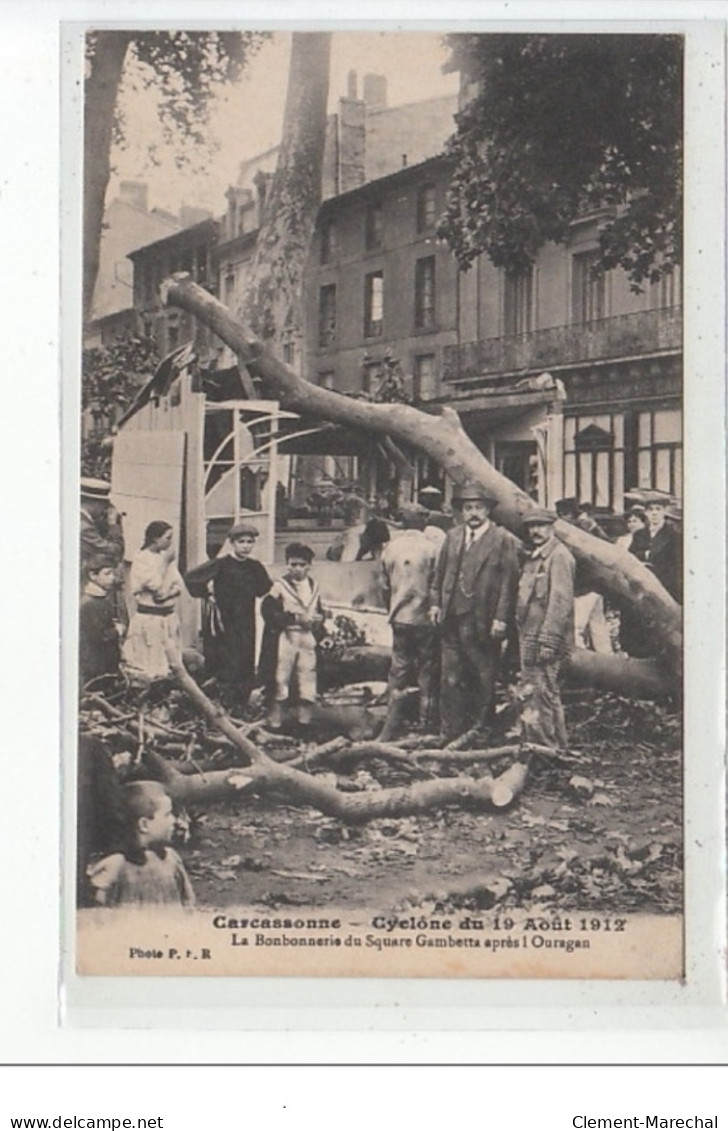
[380,568]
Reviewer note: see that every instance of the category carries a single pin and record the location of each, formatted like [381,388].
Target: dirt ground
[602,832]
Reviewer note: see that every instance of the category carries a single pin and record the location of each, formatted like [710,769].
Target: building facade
[189,250]
[570,383]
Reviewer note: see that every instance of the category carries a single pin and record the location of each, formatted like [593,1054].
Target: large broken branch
[622,675]
[299,788]
[443,438]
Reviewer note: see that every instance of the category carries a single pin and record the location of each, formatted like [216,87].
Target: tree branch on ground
[297,788]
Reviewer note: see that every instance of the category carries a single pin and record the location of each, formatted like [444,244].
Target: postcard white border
[402,1006]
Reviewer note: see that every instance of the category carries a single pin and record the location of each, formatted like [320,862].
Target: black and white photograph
[380,576]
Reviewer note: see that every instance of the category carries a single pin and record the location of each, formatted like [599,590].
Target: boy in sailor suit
[301,616]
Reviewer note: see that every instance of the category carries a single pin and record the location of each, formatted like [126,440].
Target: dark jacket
[662,553]
[494,595]
[98,644]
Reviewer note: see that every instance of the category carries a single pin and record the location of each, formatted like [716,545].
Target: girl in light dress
[155,585]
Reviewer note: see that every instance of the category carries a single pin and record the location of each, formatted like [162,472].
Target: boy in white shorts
[302,615]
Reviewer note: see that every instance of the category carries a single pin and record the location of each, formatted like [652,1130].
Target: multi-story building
[128,224]
[190,250]
[569,383]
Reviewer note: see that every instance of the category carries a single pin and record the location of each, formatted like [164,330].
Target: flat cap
[656,498]
[242,530]
[538,515]
[95,488]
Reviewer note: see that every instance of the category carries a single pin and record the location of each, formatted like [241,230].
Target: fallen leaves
[601,831]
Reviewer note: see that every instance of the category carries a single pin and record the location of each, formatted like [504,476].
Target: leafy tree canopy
[185,69]
[112,377]
[113,374]
[559,126]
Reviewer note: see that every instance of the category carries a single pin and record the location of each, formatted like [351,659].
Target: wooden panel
[146,482]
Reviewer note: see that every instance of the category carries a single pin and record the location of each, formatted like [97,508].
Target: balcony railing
[625,335]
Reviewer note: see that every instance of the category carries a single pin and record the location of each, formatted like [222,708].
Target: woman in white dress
[155,585]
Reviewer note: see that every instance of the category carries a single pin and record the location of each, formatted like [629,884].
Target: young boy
[99,651]
[299,615]
[237,581]
[150,871]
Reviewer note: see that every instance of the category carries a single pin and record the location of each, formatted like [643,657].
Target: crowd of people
[464,597]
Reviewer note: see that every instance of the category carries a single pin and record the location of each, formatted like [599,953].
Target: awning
[486,407]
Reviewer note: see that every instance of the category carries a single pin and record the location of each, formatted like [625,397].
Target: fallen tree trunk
[297,788]
[635,679]
[443,438]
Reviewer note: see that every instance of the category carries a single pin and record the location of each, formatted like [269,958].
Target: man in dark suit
[659,545]
[473,600]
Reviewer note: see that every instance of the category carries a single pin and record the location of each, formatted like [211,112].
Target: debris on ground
[597,828]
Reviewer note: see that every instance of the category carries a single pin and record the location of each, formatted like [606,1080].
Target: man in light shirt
[408,564]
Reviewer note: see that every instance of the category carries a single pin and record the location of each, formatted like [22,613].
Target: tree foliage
[563,125]
[111,378]
[183,69]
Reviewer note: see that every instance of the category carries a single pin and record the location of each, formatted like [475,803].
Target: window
[149,283]
[594,452]
[374,226]
[518,461]
[326,378]
[428,473]
[659,450]
[327,315]
[218,446]
[425,293]
[201,266]
[373,304]
[588,292]
[518,302]
[666,291]
[372,375]
[425,383]
[229,286]
[426,208]
[329,241]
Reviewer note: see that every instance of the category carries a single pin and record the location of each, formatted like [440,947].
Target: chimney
[262,182]
[134,193]
[375,92]
[351,85]
[351,143]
